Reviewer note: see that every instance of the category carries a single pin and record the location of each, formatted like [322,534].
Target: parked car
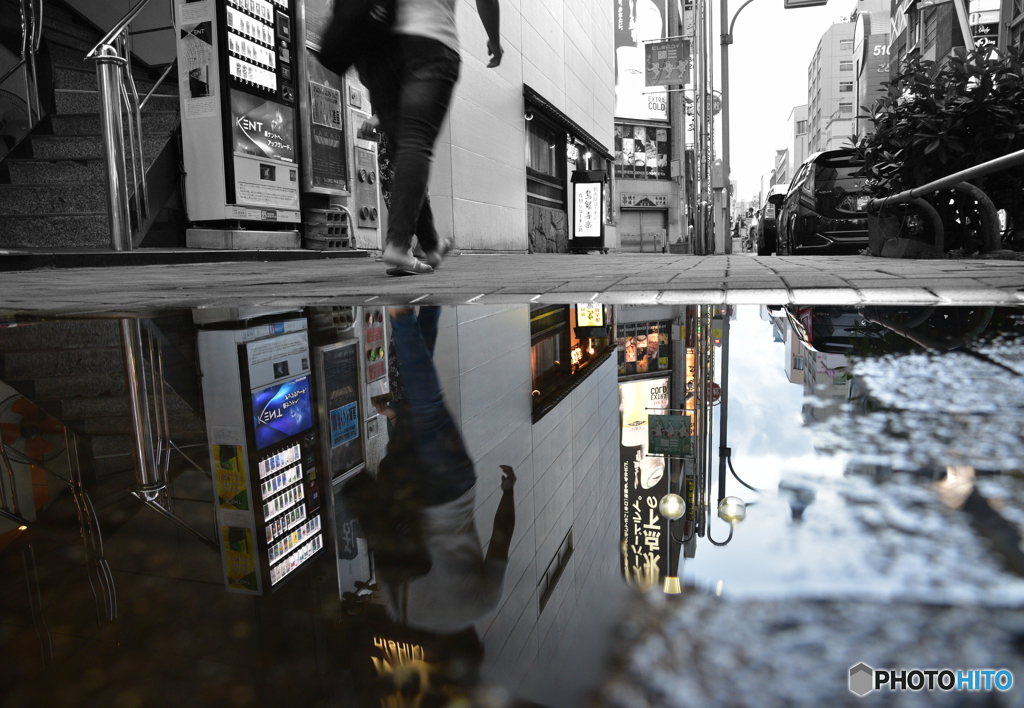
[766,225]
[825,209]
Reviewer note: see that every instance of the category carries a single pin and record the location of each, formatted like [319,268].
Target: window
[798,363]
[930,28]
[642,151]
[801,127]
[845,87]
[846,45]
[845,108]
[561,353]
[545,165]
[846,65]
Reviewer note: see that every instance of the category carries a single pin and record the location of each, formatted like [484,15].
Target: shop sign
[642,201]
[644,481]
[589,315]
[586,198]
[689,23]
[644,347]
[669,435]
[667,62]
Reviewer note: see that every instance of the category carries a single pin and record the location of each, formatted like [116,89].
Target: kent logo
[864,679]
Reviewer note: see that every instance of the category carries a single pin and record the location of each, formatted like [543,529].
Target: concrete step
[103,406]
[34,171]
[153,123]
[60,334]
[182,425]
[89,102]
[110,383]
[84,79]
[23,199]
[107,445]
[74,58]
[65,25]
[58,35]
[62,363]
[49,147]
[55,231]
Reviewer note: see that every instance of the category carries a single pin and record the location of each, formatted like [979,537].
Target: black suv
[825,210]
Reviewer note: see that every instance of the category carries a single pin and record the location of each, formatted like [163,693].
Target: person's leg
[447,470]
[428,76]
[428,317]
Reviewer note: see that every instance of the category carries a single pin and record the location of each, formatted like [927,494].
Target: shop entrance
[643,231]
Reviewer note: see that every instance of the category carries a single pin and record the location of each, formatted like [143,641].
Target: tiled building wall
[566,467]
[561,48]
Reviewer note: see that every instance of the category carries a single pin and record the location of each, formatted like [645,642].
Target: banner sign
[644,481]
[667,62]
[668,435]
[586,198]
[636,23]
[262,128]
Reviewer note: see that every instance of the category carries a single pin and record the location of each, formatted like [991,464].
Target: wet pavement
[617,278]
[311,508]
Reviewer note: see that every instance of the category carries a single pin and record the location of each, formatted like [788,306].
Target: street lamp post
[726,41]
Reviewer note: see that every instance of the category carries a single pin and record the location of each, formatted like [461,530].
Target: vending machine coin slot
[367,200]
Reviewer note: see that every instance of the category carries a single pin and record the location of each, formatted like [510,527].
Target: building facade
[871,65]
[797,138]
[648,196]
[830,89]
[504,161]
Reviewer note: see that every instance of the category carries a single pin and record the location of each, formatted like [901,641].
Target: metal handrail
[1014,159]
[120,27]
[117,88]
[31,38]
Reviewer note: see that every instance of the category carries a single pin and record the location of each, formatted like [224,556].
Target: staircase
[53,185]
[73,370]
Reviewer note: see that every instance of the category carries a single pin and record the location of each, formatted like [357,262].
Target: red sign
[377,370]
[374,334]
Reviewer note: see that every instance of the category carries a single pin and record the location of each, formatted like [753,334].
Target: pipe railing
[31,38]
[117,91]
[1014,159]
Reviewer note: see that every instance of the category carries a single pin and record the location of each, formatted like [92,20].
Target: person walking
[410,79]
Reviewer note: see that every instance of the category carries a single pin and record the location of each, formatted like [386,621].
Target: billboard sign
[644,481]
[636,23]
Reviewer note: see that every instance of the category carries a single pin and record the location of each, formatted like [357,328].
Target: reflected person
[427,453]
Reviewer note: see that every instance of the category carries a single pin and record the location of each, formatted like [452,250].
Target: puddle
[206,538]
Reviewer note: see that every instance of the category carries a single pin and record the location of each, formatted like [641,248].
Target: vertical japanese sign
[586,197]
[644,481]
[689,21]
[589,314]
[637,22]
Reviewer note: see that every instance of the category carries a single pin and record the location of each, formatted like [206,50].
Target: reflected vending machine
[237,82]
[258,398]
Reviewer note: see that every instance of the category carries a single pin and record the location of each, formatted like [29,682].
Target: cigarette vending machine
[238,97]
[258,397]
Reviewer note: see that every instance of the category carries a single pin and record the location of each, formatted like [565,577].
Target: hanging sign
[668,435]
[667,62]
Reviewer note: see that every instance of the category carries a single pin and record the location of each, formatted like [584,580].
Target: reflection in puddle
[449,506]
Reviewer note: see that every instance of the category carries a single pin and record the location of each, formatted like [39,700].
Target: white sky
[768,60]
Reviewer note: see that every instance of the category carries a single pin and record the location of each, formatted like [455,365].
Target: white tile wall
[566,467]
[561,48]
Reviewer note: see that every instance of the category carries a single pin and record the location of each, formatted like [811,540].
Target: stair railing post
[146,473]
[109,65]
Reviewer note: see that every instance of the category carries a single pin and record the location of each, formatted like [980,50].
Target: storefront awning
[565,122]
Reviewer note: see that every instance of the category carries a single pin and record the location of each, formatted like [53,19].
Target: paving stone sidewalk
[617,278]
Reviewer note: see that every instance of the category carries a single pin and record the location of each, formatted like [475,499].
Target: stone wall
[549,229]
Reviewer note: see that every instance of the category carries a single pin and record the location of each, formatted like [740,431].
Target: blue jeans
[410,83]
[447,471]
